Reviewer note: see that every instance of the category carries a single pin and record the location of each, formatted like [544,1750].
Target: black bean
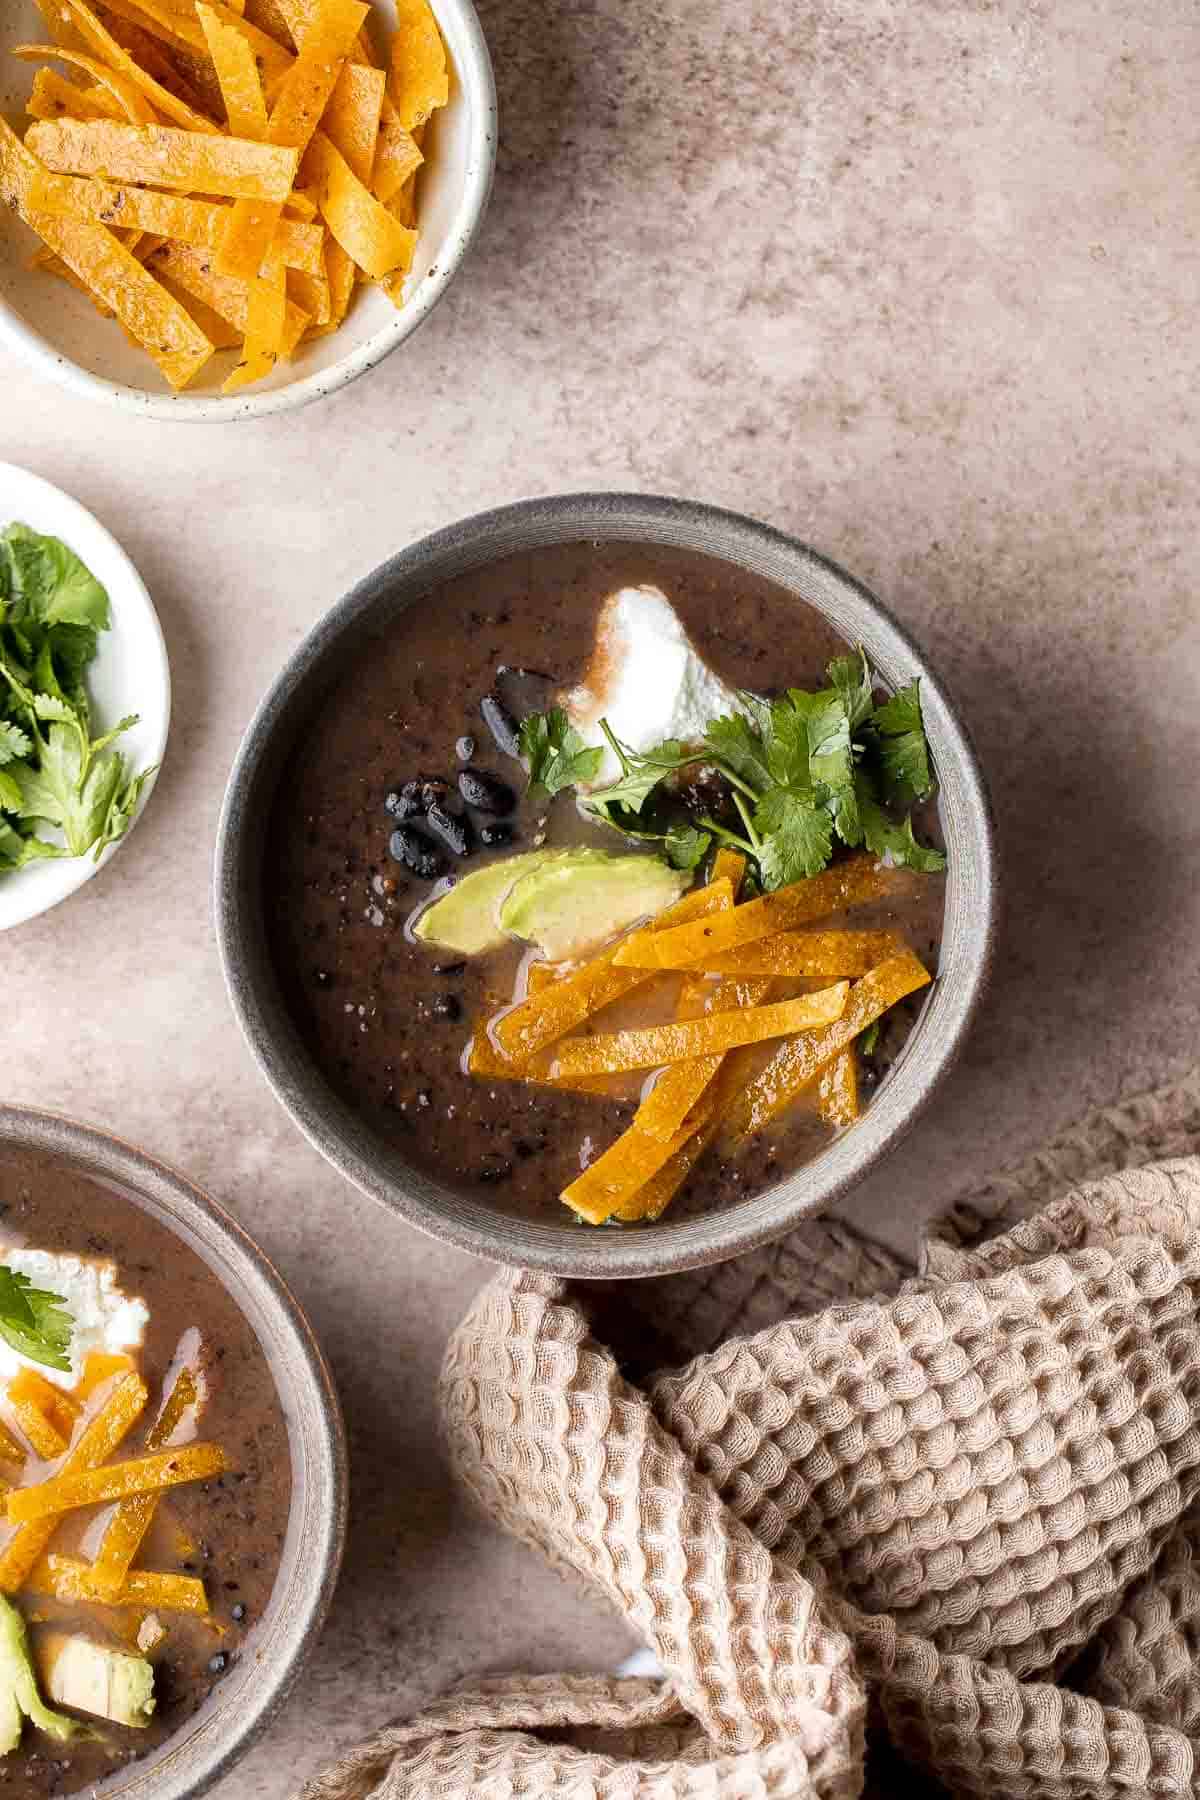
[416,853]
[238,1613]
[497,1169]
[464,749]
[486,793]
[493,836]
[500,723]
[218,1664]
[404,802]
[454,968]
[434,791]
[448,1006]
[453,829]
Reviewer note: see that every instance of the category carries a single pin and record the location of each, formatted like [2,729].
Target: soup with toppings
[497,802]
[146,1478]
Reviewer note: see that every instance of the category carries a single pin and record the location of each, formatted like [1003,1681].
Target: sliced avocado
[19,1697]
[96,1678]
[467,917]
[584,897]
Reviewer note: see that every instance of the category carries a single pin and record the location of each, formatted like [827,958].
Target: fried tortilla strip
[198,222]
[311,293]
[273,57]
[339,267]
[90,1486]
[398,156]
[133,1516]
[802,1058]
[101,1366]
[420,81]
[680,1088]
[161,156]
[624,1168]
[367,232]
[710,1036]
[829,954]
[94,1445]
[837,1089]
[46,1414]
[729,865]
[110,51]
[219,332]
[301,101]
[537,1021]
[70,1578]
[850,883]
[112,274]
[53,97]
[237,72]
[177,30]
[131,102]
[652,1200]
[192,269]
[541,975]
[300,204]
[351,120]
[485,1062]
[10,1450]
[266,322]
[269,16]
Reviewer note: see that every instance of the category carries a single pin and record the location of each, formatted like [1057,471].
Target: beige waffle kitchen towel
[963,1505]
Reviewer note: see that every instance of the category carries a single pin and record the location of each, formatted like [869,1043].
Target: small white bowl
[59,333]
[129,675]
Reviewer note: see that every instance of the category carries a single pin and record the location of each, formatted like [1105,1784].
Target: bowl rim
[188,1766]
[72,522]
[476,75]
[347,1143]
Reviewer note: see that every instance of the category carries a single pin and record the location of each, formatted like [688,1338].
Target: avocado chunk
[96,1678]
[584,897]
[467,917]
[19,1697]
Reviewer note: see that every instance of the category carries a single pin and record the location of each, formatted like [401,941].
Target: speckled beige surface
[917,282]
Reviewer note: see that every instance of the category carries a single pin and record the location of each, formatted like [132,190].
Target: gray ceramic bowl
[560,1245]
[245,1701]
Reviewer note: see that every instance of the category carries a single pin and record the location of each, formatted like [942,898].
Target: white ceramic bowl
[59,332]
[130,673]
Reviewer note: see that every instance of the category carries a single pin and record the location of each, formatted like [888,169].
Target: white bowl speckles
[59,332]
[130,674]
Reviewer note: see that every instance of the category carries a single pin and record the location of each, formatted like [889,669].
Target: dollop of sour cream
[646,679]
[103,1317]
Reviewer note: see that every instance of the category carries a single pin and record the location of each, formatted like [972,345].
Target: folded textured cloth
[952,1515]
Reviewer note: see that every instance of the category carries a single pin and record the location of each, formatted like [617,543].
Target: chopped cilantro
[801,770]
[34,1322]
[52,771]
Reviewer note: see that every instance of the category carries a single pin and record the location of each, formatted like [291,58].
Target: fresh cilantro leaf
[739,748]
[787,746]
[557,756]
[827,729]
[851,676]
[17,848]
[903,753]
[796,838]
[13,742]
[36,1323]
[10,793]
[73,787]
[641,771]
[894,841]
[48,582]
[686,847]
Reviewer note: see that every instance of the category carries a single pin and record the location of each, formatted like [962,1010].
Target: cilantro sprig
[53,772]
[35,1322]
[804,773]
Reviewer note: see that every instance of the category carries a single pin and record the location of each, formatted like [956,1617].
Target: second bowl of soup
[605,884]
